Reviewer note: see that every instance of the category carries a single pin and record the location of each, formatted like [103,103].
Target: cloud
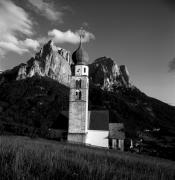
[15,22]
[9,46]
[47,9]
[16,29]
[29,43]
[172,65]
[69,37]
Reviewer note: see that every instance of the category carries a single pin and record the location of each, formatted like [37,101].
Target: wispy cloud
[47,9]
[69,37]
[16,29]
[29,43]
[172,65]
[14,21]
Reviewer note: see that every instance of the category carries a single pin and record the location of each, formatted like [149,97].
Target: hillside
[41,159]
[34,93]
[34,101]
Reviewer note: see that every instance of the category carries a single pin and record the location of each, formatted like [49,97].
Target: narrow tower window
[76,95]
[78,84]
[84,70]
[80,95]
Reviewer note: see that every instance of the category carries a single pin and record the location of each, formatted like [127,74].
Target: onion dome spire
[80,56]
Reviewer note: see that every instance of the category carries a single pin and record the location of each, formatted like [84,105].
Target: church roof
[80,56]
[98,120]
[116,131]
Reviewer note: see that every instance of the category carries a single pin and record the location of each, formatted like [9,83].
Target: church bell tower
[78,100]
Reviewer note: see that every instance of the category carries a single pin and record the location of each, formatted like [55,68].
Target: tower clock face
[78,71]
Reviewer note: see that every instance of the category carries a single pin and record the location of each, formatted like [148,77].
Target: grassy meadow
[24,158]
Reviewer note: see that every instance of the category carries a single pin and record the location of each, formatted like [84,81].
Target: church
[84,126]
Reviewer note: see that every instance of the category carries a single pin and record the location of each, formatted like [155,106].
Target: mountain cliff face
[105,73]
[50,61]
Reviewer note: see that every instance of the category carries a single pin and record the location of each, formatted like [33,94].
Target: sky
[139,34]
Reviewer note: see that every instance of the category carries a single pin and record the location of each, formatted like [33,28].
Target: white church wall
[97,138]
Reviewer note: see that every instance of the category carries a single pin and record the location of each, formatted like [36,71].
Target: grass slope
[24,158]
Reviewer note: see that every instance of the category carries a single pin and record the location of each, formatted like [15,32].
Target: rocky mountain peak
[49,48]
[105,72]
[51,61]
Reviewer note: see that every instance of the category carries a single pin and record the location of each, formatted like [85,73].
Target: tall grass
[23,158]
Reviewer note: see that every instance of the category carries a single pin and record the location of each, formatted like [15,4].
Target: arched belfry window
[78,94]
[78,84]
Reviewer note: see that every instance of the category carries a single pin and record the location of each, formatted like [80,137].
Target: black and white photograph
[87,89]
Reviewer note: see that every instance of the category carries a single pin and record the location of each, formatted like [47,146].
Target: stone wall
[77,117]
[77,138]
[78,109]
